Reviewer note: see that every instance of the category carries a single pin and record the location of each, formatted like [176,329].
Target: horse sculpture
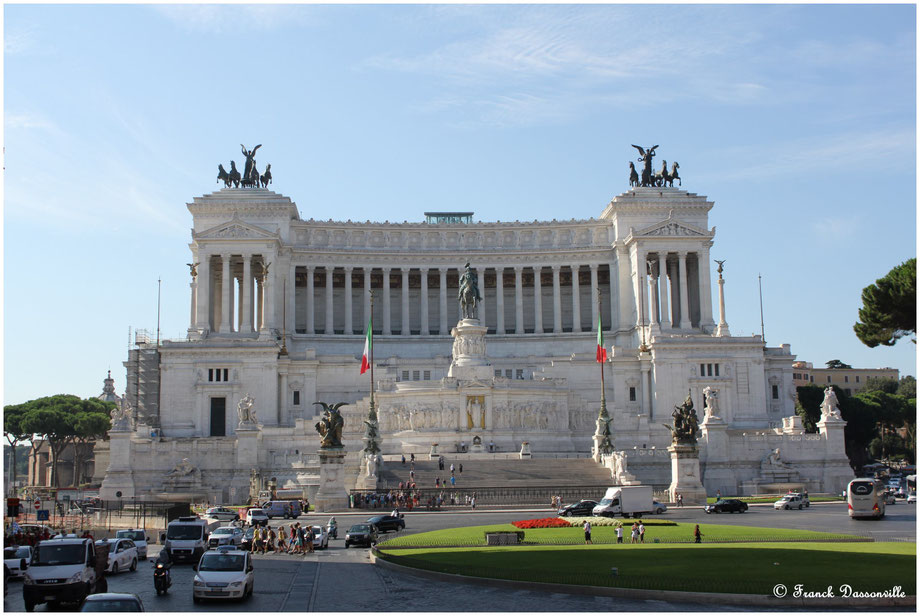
[662,177]
[674,176]
[469,293]
[266,177]
[223,176]
[633,176]
[252,180]
[234,174]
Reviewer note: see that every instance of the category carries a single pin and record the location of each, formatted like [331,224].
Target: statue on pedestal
[829,408]
[469,293]
[122,416]
[686,426]
[711,404]
[331,425]
[246,412]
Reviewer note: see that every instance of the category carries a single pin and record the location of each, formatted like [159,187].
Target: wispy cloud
[228,18]
[13,120]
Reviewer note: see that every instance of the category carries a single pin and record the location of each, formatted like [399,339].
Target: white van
[138,536]
[62,571]
[628,501]
[187,538]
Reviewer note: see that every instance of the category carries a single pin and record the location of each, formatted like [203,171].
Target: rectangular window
[776,392]
[717,369]
[847,390]
[296,397]
[508,373]
[812,379]
[828,378]
[795,376]
[702,369]
[846,379]
[632,394]
[709,369]
[405,375]
[498,373]
[520,374]
[218,417]
[857,378]
[210,374]
[426,375]
[416,375]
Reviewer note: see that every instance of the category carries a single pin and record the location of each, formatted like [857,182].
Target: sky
[798,122]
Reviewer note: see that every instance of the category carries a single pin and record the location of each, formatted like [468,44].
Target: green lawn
[751,568]
[677,533]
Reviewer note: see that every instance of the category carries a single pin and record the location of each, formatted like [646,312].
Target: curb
[660,595]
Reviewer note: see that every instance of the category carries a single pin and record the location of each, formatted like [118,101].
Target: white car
[225,535]
[17,559]
[658,508]
[792,501]
[138,536]
[222,514]
[122,555]
[223,575]
[912,498]
[320,538]
[256,516]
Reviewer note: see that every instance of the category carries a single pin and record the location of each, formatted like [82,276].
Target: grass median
[471,536]
[746,568]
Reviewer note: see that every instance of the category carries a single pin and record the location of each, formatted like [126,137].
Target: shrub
[542,523]
[599,521]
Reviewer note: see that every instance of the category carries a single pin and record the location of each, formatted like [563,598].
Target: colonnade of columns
[675,290]
[231,294]
[413,314]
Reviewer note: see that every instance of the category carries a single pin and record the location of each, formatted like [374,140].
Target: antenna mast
[760,286]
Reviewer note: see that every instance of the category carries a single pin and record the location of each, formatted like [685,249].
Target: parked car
[912,498]
[256,517]
[320,538]
[726,505]
[246,541]
[17,559]
[361,534]
[122,555]
[138,536]
[225,535]
[793,500]
[222,514]
[385,523]
[113,602]
[223,575]
[659,508]
[581,508]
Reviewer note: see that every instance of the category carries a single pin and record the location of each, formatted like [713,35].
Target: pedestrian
[412,457]
[619,530]
[404,460]
[697,535]
[680,500]
[271,540]
[453,480]
[718,494]
[473,501]
[451,468]
[634,533]
[440,463]
[437,482]
[587,531]
[641,532]
[281,546]
[412,475]
[461,468]
[308,538]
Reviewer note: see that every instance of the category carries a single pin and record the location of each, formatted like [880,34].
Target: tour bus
[866,498]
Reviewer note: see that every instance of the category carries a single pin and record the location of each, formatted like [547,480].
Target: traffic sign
[38,504]
[42,515]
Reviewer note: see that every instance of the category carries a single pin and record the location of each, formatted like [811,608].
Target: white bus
[866,498]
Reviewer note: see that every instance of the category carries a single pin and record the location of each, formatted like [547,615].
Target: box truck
[628,501]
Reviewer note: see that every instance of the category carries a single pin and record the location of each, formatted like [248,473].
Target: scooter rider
[164,559]
[332,527]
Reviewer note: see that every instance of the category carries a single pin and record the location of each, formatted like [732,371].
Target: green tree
[12,430]
[875,383]
[889,310]
[808,405]
[907,387]
[91,421]
[836,364]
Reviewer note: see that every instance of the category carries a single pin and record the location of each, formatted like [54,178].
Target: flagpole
[603,386]
[370,325]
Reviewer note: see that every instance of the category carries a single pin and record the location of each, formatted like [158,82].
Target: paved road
[344,580]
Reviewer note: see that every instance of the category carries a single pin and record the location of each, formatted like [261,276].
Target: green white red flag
[368,346]
[601,351]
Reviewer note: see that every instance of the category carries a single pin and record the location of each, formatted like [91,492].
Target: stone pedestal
[685,475]
[367,476]
[525,451]
[331,495]
[119,479]
[247,446]
[433,452]
[469,352]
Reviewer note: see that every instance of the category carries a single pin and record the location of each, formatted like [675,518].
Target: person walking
[403,460]
[412,457]
[451,468]
[552,503]
[308,537]
[587,531]
[473,501]
[634,533]
[718,494]
[619,530]
[453,480]
[697,535]
[281,546]
[461,468]
[641,532]
[680,500]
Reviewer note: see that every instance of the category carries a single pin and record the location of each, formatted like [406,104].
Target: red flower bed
[542,523]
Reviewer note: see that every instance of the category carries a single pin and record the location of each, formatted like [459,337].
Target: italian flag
[601,351]
[368,347]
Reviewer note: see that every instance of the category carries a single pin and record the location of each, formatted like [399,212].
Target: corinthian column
[246,312]
[481,274]
[330,314]
[349,326]
[576,299]
[311,301]
[557,301]
[663,290]
[423,309]
[594,290]
[499,300]
[684,296]
[226,288]
[442,302]
[406,330]
[518,299]
[386,302]
[204,294]
[537,300]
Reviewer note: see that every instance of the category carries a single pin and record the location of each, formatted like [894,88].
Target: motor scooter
[332,530]
[162,580]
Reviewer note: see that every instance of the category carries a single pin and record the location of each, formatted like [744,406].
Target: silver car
[225,535]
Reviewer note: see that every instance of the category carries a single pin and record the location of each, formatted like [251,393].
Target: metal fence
[105,517]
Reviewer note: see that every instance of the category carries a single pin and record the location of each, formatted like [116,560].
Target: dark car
[246,545]
[361,534]
[581,508]
[727,505]
[112,602]
[387,522]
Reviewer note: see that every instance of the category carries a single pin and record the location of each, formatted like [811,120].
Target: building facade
[850,380]
[278,310]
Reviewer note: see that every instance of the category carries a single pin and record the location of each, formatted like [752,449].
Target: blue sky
[797,121]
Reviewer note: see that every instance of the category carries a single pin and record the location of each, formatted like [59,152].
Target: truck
[628,501]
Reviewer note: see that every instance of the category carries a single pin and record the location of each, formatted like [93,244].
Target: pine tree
[889,309]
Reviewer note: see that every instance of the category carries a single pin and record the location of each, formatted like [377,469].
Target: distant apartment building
[850,380]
